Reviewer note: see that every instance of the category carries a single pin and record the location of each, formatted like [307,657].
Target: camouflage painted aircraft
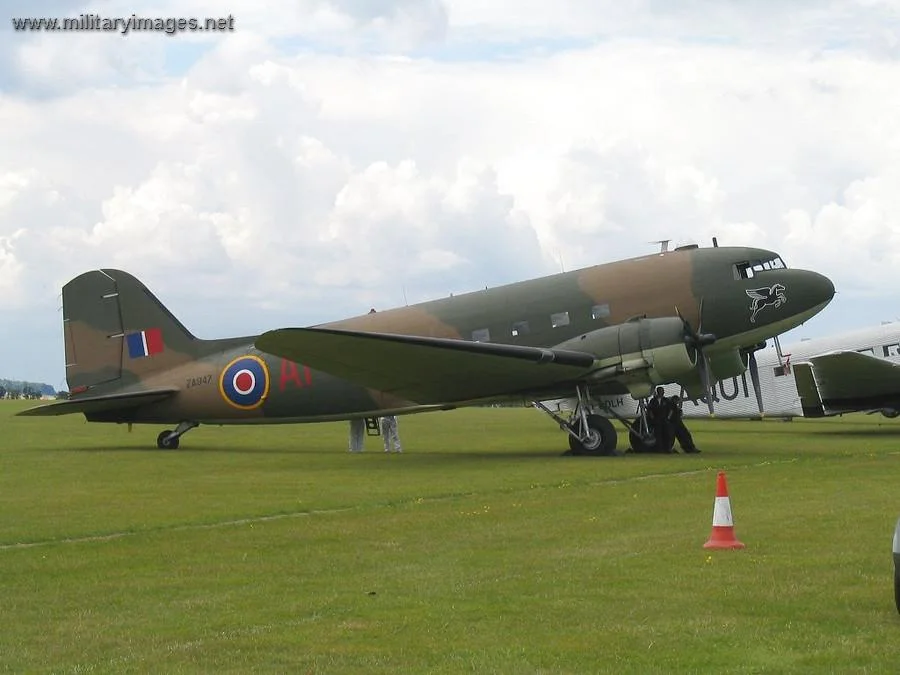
[689,316]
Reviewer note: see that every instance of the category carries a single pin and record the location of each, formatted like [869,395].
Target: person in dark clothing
[676,418]
[659,415]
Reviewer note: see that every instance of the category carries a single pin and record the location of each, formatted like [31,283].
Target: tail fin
[117,332]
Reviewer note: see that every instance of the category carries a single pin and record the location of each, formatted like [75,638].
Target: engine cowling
[643,352]
[727,364]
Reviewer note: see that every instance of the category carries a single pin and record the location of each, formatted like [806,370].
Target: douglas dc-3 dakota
[690,316]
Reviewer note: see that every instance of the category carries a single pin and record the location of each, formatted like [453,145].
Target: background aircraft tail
[117,333]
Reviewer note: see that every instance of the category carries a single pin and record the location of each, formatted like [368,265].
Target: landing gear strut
[640,436]
[168,440]
[588,434]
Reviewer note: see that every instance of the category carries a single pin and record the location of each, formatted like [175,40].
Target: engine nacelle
[653,350]
[727,364]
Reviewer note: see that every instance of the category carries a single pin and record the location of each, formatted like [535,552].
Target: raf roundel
[244,383]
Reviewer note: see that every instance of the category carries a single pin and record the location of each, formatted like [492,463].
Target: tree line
[16,389]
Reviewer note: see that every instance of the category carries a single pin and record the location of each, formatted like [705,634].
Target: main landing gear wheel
[640,442]
[589,434]
[645,442]
[600,438]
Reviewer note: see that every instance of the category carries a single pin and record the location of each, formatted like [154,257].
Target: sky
[336,155]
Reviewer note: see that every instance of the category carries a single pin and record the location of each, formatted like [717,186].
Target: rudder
[117,332]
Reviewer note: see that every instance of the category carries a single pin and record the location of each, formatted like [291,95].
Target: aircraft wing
[95,404]
[853,381]
[427,370]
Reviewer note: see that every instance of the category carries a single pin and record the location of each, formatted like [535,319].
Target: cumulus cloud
[10,272]
[392,225]
[605,194]
[857,235]
[44,63]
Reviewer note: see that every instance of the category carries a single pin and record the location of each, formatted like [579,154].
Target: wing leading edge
[424,369]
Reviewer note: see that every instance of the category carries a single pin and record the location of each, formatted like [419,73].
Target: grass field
[480,549]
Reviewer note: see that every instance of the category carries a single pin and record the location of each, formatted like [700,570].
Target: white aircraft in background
[852,372]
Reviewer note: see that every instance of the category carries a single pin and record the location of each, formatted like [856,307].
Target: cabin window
[892,350]
[481,335]
[600,311]
[868,350]
[520,328]
[559,319]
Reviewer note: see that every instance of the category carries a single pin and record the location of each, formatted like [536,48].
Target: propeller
[698,340]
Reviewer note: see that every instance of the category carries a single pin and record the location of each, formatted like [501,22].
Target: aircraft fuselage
[230,381]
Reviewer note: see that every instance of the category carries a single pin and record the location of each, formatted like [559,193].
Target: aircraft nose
[813,290]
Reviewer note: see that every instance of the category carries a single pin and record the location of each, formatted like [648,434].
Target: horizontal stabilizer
[96,404]
[425,369]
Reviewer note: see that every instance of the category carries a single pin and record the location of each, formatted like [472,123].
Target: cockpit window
[750,268]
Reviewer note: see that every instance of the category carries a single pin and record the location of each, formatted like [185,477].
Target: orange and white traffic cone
[723,524]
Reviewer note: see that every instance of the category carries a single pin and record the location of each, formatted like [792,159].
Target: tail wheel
[166,441]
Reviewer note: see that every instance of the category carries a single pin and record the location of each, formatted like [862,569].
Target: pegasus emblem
[772,296]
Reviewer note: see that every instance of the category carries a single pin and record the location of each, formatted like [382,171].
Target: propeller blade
[704,379]
[754,377]
[700,320]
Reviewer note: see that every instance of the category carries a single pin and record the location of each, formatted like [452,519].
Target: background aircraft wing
[424,369]
[95,404]
[854,381]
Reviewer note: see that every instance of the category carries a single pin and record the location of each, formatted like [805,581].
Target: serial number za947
[190,382]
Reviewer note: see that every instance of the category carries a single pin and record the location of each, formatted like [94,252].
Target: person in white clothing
[390,434]
[357,434]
